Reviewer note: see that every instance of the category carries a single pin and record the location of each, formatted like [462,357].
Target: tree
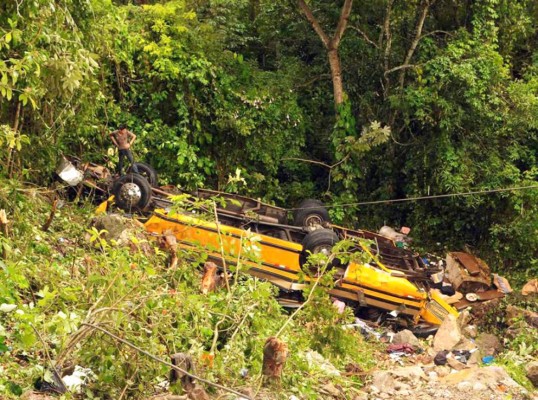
[331,44]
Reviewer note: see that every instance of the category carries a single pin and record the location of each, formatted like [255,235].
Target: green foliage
[54,282]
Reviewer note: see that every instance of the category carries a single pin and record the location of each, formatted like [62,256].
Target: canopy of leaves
[441,97]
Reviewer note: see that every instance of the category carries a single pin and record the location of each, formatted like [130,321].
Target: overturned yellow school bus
[370,285]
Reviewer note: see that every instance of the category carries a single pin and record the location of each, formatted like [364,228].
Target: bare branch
[400,67]
[418,34]
[388,34]
[436,32]
[365,36]
[317,162]
[342,23]
[314,22]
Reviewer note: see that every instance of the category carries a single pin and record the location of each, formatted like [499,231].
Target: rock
[465,344]
[410,374]
[464,386]
[442,371]
[530,287]
[464,318]
[331,389]
[113,224]
[475,358]
[406,336]
[479,387]
[470,331]
[382,381]
[317,361]
[491,376]
[488,344]
[448,335]
[399,386]
[455,364]
[123,230]
[441,358]
[433,376]
[532,372]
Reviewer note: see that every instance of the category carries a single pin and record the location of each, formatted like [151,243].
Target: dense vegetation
[439,97]
[56,282]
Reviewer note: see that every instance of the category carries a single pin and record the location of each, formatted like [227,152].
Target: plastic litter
[404,348]
[488,359]
[364,329]
[78,379]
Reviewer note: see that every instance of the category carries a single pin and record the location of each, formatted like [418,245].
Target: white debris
[78,379]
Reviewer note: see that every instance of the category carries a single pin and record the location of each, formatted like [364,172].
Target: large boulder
[488,344]
[406,336]
[113,224]
[491,377]
[448,335]
[395,381]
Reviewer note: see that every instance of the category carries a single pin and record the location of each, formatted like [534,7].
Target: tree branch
[418,35]
[342,23]
[436,32]
[365,36]
[314,22]
[388,44]
[400,67]
[175,367]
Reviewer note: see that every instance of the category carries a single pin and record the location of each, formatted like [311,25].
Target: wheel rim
[313,220]
[130,193]
[323,249]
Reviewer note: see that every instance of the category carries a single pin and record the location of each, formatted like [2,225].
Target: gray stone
[532,372]
[464,318]
[470,331]
[448,335]
[488,344]
[113,224]
[475,358]
[455,364]
[465,344]
[410,374]
[383,381]
[406,336]
[331,389]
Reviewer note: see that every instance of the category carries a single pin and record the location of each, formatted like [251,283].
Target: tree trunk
[331,44]
[336,73]
[4,229]
[209,280]
[275,353]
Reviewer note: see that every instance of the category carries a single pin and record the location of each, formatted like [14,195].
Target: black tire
[147,171]
[424,331]
[310,212]
[132,192]
[319,241]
